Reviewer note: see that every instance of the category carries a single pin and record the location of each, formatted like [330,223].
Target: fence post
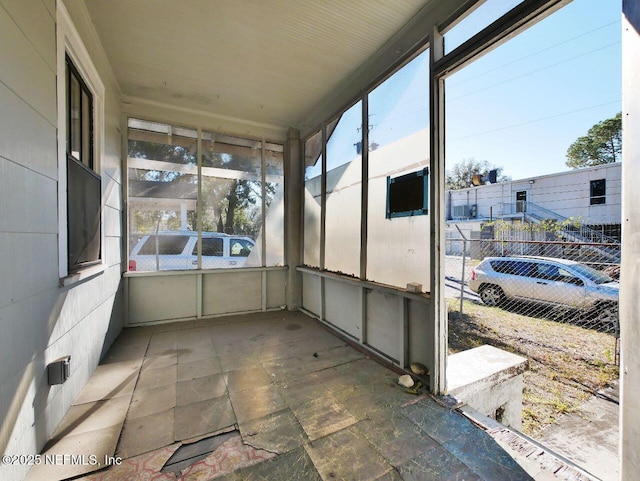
[464,260]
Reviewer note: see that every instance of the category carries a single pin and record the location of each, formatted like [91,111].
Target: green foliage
[230,205]
[461,175]
[502,229]
[601,145]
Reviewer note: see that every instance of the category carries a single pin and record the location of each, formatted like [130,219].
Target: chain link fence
[565,282]
[550,300]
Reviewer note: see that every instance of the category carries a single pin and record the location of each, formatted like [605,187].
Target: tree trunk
[231,210]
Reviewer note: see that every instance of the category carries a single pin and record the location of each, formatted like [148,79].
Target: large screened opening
[531,265]
[201,200]
[352,163]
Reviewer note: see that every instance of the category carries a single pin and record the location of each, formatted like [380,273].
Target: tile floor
[305,404]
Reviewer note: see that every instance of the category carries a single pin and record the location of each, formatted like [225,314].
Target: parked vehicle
[169,250]
[548,281]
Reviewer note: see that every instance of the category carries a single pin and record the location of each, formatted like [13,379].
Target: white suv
[174,250]
[546,280]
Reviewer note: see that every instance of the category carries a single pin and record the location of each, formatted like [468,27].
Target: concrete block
[489,380]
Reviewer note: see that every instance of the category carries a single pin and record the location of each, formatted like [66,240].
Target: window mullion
[199,197]
[263,178]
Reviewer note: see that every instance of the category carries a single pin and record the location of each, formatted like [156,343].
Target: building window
[598,191]
[83,183]
[408,195]
[79,117]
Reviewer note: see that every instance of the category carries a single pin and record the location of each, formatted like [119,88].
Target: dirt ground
[567,363]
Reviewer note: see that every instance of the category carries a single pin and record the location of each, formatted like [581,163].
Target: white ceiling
[266,61]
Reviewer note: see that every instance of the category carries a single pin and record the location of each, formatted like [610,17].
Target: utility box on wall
[59,370]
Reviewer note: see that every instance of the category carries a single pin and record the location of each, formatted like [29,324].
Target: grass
[567,363]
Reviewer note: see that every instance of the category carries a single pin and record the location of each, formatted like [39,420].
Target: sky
[519,106]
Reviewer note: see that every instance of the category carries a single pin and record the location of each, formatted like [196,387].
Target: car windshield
[592,274]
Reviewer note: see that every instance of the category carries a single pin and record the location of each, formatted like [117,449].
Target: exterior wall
[630,273]
[566,193]
[387,320]
[398,249]
[39,320]
[156,297]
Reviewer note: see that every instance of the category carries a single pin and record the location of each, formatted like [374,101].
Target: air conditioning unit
[461,212]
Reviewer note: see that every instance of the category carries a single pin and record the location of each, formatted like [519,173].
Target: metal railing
[553,280]
[571,226]
[568,229]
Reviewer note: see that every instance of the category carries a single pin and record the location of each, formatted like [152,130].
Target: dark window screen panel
[407,194]
[83,212]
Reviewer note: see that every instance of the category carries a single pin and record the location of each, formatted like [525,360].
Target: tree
[601,145]
[230,205]
[461,175]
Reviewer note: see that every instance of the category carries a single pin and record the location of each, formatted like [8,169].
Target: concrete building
[591,196]
[74,73]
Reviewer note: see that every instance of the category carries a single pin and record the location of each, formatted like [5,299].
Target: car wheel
[607,316]
[491,295]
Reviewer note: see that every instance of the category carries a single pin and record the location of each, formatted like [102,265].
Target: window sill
[376,286]
[83,275]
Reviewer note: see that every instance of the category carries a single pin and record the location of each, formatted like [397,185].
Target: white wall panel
[27,200]
[84,344]
[113,133]
[29,76]
[80,300]
[51,7]
[25,136]
[111,191]
[397,324]
[227,292]
[158,298]
[421,334]
[112,222]
[37,24]
[26,268]
[38,318]
[276,288]
[311,293]
[223,292]
[112,250]
[342,307]
[384,323]
[111,165]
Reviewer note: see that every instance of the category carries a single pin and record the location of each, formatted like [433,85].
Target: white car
[546,280]
[174,250]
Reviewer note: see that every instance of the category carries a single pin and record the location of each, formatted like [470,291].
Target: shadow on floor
[304,404]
